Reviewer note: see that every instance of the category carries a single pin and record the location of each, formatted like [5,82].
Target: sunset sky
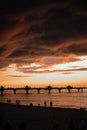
[43,43]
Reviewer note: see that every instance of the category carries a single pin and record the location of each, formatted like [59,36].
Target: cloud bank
[44,32]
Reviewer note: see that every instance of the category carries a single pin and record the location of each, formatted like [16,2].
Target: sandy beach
[40,118]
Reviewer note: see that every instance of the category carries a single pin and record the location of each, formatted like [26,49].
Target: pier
[48,89]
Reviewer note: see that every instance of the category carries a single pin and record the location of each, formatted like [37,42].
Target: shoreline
[37,117]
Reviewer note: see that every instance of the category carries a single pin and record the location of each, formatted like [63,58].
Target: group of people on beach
[17,101]
[31,104]
[45,104]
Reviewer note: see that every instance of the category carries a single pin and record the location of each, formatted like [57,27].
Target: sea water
[64,99]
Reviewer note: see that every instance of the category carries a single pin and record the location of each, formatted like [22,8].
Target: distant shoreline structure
[48,88]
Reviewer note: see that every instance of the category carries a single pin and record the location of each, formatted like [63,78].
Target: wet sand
[40,118]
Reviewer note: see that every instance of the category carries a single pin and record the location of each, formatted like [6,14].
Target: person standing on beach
[51,103]
[45,103]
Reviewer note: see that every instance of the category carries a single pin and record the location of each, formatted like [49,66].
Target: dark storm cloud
[19,6]
[7,23]
[29,54]
[65,25]
[31,30]
[78,49]
[2,49]
[36,29]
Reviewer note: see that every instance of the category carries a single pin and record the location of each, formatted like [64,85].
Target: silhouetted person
[18,102]
[38,105]
[51,103]
[7,100]
[7,126]
[31,105]
[45,103]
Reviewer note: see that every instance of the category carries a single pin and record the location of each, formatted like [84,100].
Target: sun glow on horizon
[36,74]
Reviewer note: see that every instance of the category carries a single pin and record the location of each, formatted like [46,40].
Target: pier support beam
[26,91]
[78,90]
[59,90]
[14,90]
[38,90]
[49,89]
[27,88]
[81,89]
[1,90]
[69,88]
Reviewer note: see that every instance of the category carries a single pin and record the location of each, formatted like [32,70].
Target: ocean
[64,99]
